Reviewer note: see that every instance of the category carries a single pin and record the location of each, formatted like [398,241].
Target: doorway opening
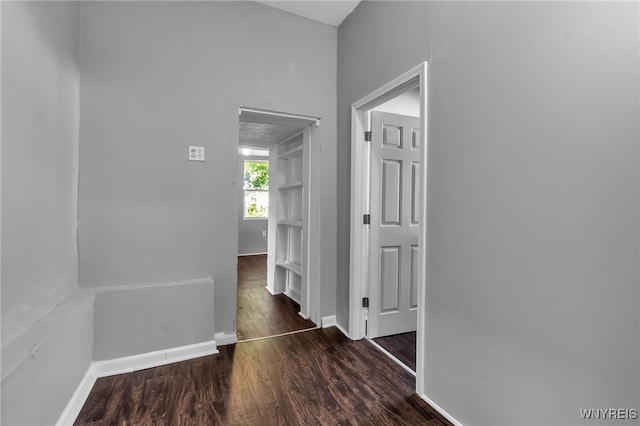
[278,292]
[388,217]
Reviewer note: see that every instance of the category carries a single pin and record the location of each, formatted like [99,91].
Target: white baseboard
[271,291]
[441,410]
[251,254]
[132,363]
[75,404]
[223,339]
[329,321]
[303,315]
[129,364]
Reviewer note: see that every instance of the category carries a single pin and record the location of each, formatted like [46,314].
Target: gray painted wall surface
[140,320]
[532,279]
[42,368]
[46,321]
[159,76]
[40,116]
[250,239]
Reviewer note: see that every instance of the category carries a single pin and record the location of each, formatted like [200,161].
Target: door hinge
[366,219]
[367,136]
[365,302]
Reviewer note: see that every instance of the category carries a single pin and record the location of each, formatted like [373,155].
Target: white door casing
[310,306]
[394,224]
[359,233]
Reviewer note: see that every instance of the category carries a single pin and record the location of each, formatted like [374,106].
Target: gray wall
[532,279]
[139,320]
[40,87]
[43,315]
[159,76]
[250,239]
[358,75]
[42,368]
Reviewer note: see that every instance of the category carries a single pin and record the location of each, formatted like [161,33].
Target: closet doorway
[388,219]
[278,292]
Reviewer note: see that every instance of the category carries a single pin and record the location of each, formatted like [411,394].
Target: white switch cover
[196,153]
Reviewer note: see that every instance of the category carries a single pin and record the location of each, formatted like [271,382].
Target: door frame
[311,305]
[359,235]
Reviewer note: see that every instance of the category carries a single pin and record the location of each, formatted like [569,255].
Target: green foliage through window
[256,189]
[256,175]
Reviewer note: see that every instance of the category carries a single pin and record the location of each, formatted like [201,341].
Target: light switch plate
[196,153]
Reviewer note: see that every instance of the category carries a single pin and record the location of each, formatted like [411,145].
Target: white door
[394,228]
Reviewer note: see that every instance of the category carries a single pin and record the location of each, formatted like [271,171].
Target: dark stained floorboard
[402,346]
[261,314]
[318,377]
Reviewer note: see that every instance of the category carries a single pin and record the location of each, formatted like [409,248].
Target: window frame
[245,190]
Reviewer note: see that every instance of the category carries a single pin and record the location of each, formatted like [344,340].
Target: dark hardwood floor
[261,314]
[402,346]
[318,377]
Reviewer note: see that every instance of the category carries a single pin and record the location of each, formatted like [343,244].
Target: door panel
[415,264]
[415,192]
[415,139]
[389,276]
[391,136]
[394,228]
[392,192]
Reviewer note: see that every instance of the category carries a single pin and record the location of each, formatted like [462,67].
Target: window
[256,189]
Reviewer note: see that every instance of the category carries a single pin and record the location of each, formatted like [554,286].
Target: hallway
[261,314]
[316,377]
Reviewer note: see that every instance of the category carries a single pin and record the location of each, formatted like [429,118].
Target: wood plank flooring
[261,314]
[318,377]
[402,346]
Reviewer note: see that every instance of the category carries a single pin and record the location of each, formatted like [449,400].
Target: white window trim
[244,190]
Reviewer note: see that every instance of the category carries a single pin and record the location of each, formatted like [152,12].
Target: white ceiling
[264,135]
[331,12]
[263,130]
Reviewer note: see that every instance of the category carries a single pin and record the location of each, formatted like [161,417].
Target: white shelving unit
[290,255]
[293,243]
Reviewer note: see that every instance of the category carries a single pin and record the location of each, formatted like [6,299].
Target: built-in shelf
[293,152]
[293,294]
[293,267]
[291,185]
[297,223]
